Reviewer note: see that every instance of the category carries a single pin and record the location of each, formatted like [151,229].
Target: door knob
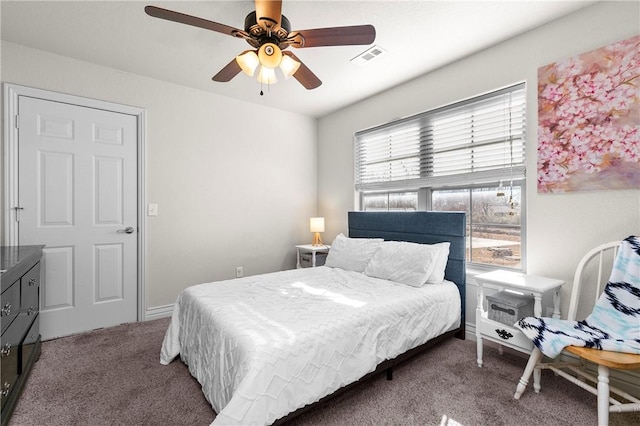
[127,230]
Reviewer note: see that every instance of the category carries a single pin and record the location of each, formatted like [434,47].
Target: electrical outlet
[239,272]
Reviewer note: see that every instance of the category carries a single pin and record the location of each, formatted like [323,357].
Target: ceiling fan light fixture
[289,66]
[270,55]
[267,75]
[248,61]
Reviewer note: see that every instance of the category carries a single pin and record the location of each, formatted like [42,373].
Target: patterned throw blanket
[614,324]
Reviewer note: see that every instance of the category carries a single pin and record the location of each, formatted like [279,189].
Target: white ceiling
[419,36]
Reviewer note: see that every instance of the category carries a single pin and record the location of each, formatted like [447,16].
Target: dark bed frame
[415,227]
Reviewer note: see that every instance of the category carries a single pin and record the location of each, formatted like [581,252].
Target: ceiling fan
[268,31]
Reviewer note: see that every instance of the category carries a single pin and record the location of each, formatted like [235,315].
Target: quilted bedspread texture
[266,345]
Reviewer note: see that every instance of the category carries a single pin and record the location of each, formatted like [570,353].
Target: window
[390,201]
[469,156]
[493,222]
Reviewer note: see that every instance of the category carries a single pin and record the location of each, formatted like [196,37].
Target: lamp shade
[270,55]
[248,61]
[316,224]
[289,66]
[267,75]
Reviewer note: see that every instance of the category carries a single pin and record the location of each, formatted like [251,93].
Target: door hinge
[17,121]
[18,209]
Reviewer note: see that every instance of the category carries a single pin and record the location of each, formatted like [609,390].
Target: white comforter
[266,345]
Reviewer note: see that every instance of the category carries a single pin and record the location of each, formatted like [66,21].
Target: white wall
[560,227]
[235,183]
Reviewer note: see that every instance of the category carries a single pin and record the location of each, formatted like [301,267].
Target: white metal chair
[586,273]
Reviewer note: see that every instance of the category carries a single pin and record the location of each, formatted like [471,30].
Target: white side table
[308,248]
[522,283]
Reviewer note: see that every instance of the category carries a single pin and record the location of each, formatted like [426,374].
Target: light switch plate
[152,210]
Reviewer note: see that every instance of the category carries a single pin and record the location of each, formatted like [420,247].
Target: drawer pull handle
[5,388]
[501,309]
[504,334]
[6,350]
[32,281]
[6,310]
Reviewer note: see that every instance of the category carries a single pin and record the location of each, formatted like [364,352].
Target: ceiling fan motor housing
[260,36]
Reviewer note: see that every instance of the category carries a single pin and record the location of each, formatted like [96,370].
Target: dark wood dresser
[20,303]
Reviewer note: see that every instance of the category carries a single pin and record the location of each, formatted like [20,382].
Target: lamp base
[317,241]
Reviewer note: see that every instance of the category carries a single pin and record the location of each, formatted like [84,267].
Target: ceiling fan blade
[304,75]
[333,36]
[228,72]
[169,15]
[269,13]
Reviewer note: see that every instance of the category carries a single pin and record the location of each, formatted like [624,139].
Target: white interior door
[77,194]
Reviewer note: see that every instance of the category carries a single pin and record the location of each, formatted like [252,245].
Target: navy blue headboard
[419,227]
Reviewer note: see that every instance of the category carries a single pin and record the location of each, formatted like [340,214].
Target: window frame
[470,180]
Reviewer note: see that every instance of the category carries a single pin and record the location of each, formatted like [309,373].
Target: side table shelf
[508,335]
[309,249]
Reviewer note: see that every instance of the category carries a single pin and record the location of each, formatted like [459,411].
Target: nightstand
[310,249]
[508,335]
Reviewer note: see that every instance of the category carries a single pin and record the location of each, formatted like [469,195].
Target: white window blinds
[474,141]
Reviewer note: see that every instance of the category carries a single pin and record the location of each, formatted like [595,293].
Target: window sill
[472,271]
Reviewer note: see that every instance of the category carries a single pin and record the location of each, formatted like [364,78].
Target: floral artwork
[589,120]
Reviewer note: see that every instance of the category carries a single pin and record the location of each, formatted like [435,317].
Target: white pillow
[440,263]
[352,254]
[402,262]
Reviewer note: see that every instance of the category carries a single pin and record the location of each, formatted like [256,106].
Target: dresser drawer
[29,290]
[10,305]
[10,357]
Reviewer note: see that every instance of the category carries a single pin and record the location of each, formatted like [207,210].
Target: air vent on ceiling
[368,55]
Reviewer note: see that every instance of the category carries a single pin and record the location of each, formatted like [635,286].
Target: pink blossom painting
[589,120]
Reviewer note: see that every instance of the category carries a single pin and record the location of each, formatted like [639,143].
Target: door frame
[10,175]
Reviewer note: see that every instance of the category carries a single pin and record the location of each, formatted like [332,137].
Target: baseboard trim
[158,312]
[470,331]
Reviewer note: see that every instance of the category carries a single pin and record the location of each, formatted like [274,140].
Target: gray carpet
[113,377]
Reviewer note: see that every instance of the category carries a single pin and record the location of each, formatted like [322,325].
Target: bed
[267,347]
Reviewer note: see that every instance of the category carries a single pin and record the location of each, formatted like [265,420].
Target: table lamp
[316,225]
